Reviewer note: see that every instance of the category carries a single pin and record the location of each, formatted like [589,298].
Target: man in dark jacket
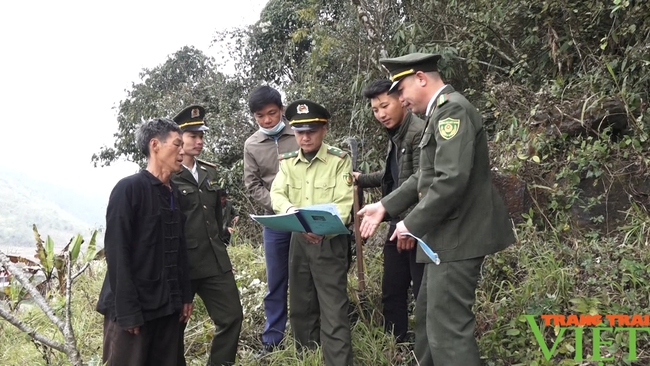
[459,217]
[210,267]
[404,131]
[146,292]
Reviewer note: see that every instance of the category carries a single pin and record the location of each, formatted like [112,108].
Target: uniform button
[307,198]
[200,191]
[205,207]
[307,181]
[207,222]
[420,195]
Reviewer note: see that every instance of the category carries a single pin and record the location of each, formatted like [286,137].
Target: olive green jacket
[326,179]
[201,204]
[459,212]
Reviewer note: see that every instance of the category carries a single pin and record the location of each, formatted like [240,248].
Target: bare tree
[69,347]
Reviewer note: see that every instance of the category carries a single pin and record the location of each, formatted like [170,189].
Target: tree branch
[84,268]
[364,18]
[33,292]
[487,26]
[68,332]
[485,63]
[30,331]
[490,45]
[70,346]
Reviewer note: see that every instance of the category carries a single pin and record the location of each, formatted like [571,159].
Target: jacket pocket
[192,243]
[295,188]
[453,215]
[324,190]
[447,235]
[153,294]
[186,190]
[188,198]
[211,196]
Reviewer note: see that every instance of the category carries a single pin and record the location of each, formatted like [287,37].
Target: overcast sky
[65,65]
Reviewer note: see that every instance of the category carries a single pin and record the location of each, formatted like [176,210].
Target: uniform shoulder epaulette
[288,155]
[444,98]
[336,152]
[207,163]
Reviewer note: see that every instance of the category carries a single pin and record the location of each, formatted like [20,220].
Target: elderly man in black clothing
[146,293]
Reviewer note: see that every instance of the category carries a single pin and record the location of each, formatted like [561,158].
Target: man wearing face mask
[404,131]
[261,151]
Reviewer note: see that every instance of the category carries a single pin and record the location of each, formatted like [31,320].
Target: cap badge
[302,109]
[195,112]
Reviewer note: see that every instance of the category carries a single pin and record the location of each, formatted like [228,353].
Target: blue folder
[322,219]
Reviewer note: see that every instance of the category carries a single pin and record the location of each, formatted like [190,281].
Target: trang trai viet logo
[595,330]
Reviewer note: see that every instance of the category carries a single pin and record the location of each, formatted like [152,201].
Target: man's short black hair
[158,128]
[377,87]
[263,96]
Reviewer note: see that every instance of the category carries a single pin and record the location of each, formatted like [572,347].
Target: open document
[323,219]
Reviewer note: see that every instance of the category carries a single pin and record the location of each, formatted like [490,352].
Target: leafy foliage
[187,77]
[50,265]
[580,248]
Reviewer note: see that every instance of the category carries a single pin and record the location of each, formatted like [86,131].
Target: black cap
[305,115]
[403,66]
[191,119]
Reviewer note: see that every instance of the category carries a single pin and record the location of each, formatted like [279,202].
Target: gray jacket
[261,163]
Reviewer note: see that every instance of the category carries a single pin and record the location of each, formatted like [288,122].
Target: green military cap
[191,119]
[305,115]
[403,66]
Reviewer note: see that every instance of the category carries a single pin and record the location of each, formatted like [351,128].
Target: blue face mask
[273,131]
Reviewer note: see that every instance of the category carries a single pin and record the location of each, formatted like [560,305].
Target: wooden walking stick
[358,197]
[359,242]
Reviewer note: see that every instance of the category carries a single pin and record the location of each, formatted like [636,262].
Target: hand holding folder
[323,219]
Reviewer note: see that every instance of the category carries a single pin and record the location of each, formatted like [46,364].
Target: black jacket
[144,243]
[406,140]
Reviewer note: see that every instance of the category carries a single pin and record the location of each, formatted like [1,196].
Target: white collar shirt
[194,172]
[433,100]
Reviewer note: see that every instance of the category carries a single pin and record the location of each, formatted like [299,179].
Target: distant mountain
[58,212]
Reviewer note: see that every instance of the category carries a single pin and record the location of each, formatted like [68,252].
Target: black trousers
[156,345]
[400,270]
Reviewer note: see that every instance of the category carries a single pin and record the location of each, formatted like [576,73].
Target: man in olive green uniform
[460,214]
[404,130]
[210,268]
[317,173]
